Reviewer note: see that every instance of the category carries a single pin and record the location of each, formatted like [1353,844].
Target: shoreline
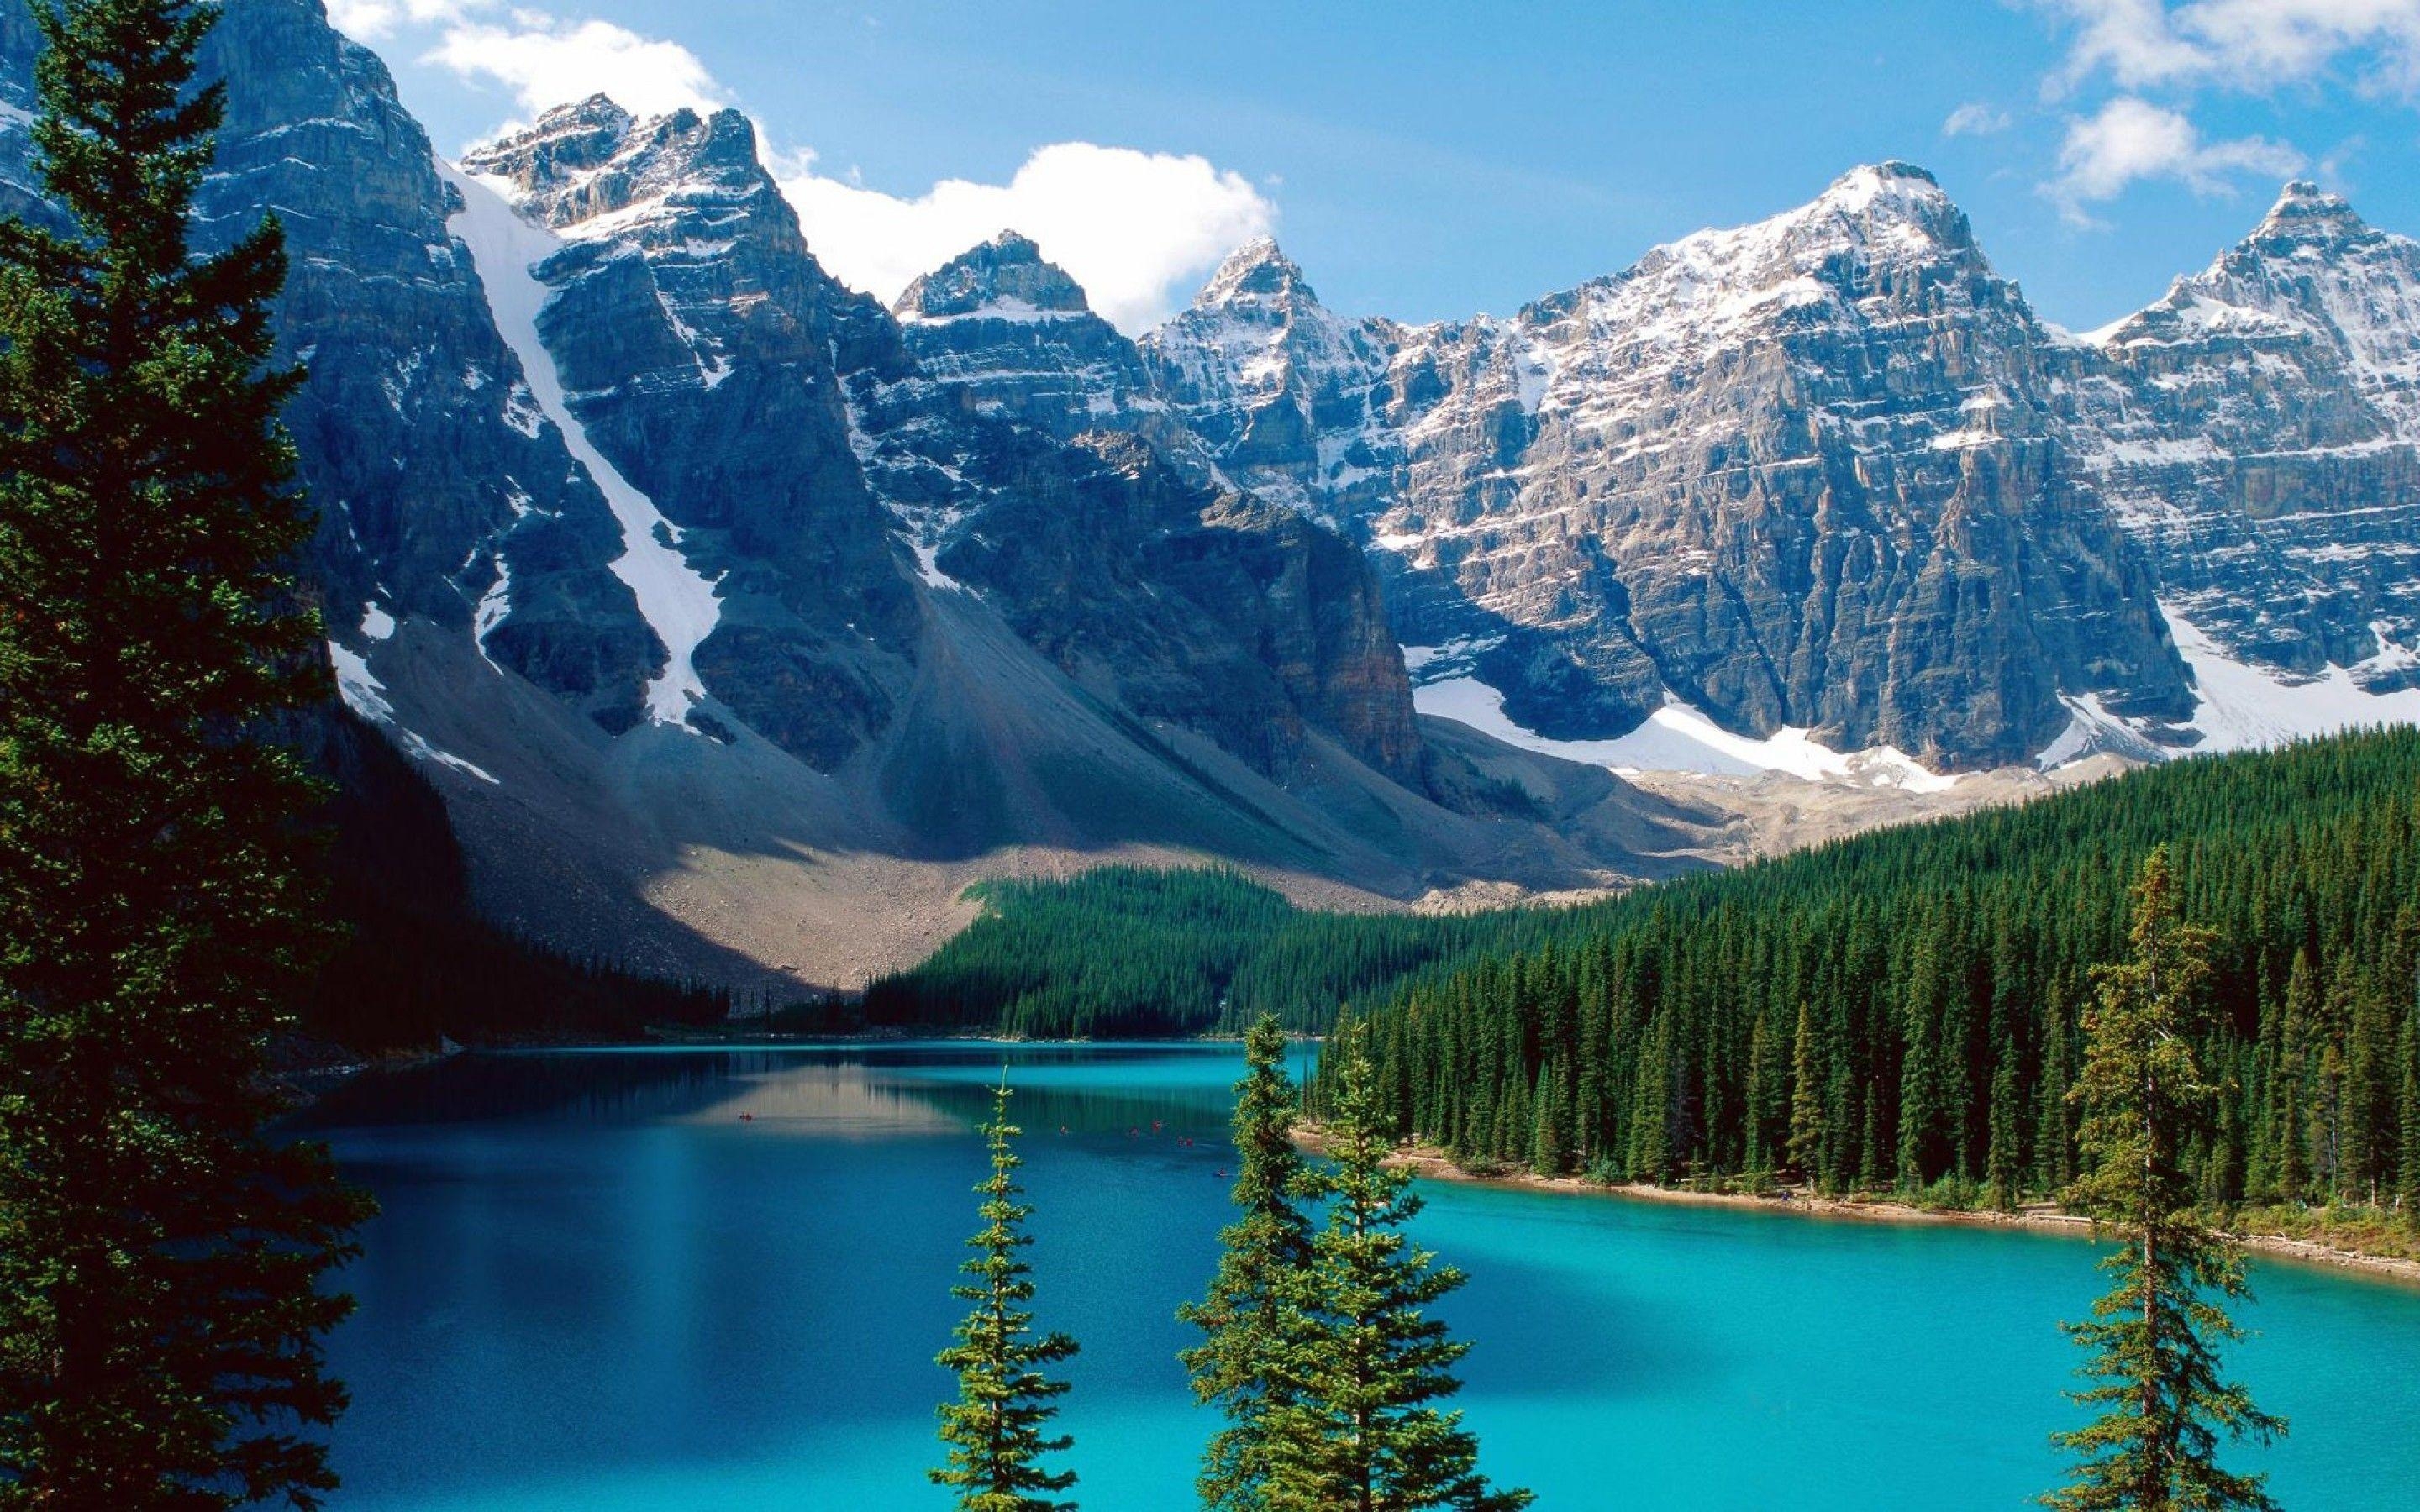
[2040,1218]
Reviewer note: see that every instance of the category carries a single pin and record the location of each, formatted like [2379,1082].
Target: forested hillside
[1127,950]
[1902,1011]
[1907,1002]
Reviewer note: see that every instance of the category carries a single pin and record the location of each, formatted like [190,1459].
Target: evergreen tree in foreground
[160,1319]
[1361,1431]
[1240,1364]
[2153,1337]
[994,1429]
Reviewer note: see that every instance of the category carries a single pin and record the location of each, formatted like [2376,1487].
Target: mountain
[738,629]
[1799,475]
[1827,481]
[2256,428]
[742,621]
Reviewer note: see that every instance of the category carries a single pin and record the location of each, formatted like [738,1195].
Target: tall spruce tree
[996,1429]
[1245,1320]
[161,1316]
[1363,1430]
[2153,1337]
[2003,1162]
[2408,1179]
[1806,1149]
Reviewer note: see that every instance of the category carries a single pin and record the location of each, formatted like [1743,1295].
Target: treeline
[1902,1011]
[1127,950]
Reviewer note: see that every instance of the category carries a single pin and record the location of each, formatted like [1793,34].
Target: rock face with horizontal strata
[1806,474]
[2256,429]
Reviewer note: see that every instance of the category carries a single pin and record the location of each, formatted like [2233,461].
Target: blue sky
[1429,161]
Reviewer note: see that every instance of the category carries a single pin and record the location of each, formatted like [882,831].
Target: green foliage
[1939,966]
[1806,1148]
[160,1315]
[1130,950]
[2146,1097]
[1935,1053]
[1247,1325]
[996,1430]
[1362,1428]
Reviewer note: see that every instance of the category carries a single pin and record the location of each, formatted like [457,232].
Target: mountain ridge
[742,621]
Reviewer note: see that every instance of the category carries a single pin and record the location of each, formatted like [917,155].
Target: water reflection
[658,1281]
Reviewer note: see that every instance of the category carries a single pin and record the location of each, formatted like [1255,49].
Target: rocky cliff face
[1801,474]
[699,347]
[2255,430]
[790,434]
[1294,401]
[1011,337]
[407,530]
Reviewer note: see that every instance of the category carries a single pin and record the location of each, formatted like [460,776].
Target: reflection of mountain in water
[827,1100]
[845,1092]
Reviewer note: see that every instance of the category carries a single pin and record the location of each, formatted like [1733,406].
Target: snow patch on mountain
[1676,739]
[2242,707]
[677,602]
[366,695]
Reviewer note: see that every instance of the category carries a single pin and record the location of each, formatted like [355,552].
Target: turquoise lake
[668,1280]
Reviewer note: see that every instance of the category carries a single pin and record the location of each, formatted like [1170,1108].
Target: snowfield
[674,599]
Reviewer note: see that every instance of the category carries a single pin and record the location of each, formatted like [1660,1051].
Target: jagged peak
[1868,181]
[1007,276]
[1888,209]
[1893,198]
[1255,272]
[2305,214]
[599,109]
[593,156]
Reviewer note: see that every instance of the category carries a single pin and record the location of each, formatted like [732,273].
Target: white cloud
[2252,45]
[372,20]
[2132,140]
[547,61]
[1135,229]
[2135,40]
[1974,119]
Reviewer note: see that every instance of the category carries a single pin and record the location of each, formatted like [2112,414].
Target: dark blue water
[596,1288]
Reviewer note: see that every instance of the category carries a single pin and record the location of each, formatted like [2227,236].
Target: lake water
[671,1280]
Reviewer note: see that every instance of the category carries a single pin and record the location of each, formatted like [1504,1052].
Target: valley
[744,623]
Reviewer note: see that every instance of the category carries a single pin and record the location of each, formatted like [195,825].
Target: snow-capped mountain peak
[1255,273]
[1005,278]
[2307,216]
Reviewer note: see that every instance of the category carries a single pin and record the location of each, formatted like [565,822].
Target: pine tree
[995,1430]
[2153,1336]
[2408,1179]
[1549,1149]
[1806,1100]
[2054,1131]
[1365,1432]
[2002,1160]
[1240,1364]
[161,1313]
[1651,1107]
[1764,1081]
[2289,1131]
